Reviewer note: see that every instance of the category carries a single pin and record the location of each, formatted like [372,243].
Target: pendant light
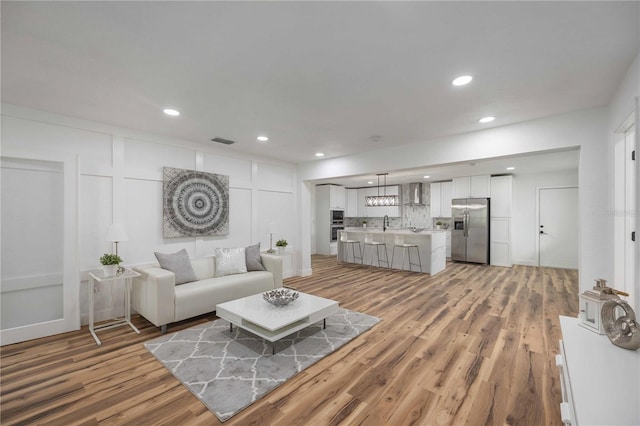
[381,200]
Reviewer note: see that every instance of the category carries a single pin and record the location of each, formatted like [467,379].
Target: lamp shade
[116,232]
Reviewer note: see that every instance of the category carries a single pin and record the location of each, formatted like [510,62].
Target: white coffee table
[272,323]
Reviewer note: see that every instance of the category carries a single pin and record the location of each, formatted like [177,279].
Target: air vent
[221,140]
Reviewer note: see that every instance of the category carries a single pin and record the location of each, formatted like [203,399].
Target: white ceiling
[544,162]
[314,76]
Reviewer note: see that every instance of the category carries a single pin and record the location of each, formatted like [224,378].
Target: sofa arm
[273,264]
[154,295]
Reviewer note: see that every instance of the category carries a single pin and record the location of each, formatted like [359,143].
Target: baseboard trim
[525,262]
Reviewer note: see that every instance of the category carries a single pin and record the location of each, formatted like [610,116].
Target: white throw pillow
[230,261]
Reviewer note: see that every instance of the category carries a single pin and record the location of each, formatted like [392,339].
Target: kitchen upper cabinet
[462,187]
[392,211]
[364,211]
[446,194]
[436,202]
[441,194]
[480,186]
[331,196]
[472,186]
[352,203]
[337,197]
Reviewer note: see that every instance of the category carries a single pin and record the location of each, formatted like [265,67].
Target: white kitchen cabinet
[363,211]
[480,186]
[500,241]
[448,231]
[501,188]
[441,194]
[462,187]
[333,197]
[472,186]
[393,211]
[436,203]
[446,194]
[501,194]
[352,203]
[328,197]
[337,197]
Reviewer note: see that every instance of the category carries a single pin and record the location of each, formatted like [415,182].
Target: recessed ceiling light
[263,138]
[319,154]
[171,112]
[462,80]
[511,168]
[486,119]
[370,182]
[427,177]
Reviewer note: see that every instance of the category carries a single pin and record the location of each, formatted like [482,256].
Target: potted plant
[281,244]
[364,223]
[110,264]
[438,224]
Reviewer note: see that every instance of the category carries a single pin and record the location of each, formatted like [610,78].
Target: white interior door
[558,227]
[625,181]
[39,274]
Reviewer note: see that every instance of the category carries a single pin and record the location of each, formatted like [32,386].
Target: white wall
[121,181]
[524,210]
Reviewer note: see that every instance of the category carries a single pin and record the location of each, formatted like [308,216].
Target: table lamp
[117,233]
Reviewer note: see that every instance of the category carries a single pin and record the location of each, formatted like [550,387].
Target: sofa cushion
[179,264]
[230,261]
[254,261]
[202,296]
[204,267]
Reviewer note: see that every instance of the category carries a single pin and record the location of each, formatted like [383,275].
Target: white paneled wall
[121,180]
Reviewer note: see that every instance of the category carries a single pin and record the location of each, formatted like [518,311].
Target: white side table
[98,276]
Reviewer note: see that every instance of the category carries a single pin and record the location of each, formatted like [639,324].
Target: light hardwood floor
[472,345]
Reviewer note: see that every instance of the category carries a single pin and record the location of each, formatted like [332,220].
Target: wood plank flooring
[472,345]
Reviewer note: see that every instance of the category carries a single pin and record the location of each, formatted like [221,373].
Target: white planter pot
[281,250]
[110,270]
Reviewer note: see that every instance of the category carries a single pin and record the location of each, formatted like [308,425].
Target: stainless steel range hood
[415,195]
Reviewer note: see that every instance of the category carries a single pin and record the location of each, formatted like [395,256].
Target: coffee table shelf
[272,323]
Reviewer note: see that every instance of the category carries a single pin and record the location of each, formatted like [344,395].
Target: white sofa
[158,299]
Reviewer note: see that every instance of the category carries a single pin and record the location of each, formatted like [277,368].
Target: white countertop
[403,231]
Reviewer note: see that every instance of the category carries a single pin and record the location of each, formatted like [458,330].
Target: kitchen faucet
[385,223]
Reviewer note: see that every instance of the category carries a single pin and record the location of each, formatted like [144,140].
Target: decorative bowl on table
[280,296]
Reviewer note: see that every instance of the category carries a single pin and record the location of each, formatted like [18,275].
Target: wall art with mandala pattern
[195,203]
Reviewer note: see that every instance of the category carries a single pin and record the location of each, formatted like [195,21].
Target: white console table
[600,381]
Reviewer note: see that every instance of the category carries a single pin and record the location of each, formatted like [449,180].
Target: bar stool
[398,242]
[344,240]
[369,241]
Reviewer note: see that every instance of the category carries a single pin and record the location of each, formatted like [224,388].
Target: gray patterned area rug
[229,371]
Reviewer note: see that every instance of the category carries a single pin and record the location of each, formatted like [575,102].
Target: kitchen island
[431,244]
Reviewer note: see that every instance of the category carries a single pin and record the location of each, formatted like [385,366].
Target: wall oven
[334,231]
[337,217]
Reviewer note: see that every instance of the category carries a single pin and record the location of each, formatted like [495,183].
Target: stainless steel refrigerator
[470,233]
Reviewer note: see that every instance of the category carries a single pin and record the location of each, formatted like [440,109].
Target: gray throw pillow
[179,264]
[254,261]
[230,261]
